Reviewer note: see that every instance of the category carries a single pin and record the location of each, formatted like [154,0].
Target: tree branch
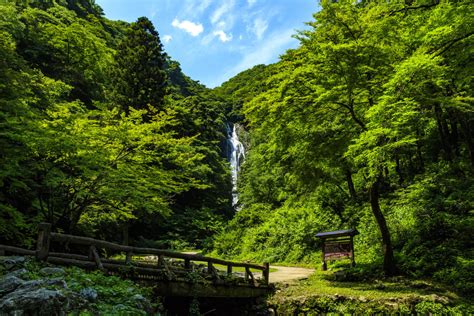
[449,44]
[423,6]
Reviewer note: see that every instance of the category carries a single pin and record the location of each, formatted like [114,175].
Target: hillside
[101,132]
[366,125]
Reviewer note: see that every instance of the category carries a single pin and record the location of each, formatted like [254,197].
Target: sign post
[338,245]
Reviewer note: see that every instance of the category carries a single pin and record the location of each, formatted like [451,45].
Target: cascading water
[235,155]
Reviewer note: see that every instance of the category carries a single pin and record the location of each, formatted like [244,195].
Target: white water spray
[235,154]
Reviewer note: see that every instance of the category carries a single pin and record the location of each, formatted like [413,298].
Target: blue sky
[214,40]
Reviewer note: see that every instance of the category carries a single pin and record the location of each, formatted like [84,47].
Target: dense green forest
[102,134]
[367,124]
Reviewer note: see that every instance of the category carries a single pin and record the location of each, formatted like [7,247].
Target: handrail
[148,251]
[45,236]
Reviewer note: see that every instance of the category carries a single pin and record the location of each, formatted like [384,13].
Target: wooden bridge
[171,273]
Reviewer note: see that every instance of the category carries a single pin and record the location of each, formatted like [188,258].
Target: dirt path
[287,274]
[281,275]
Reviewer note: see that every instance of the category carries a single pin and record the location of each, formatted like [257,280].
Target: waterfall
[235,155]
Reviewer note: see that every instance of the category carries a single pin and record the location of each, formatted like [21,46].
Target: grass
[328,283]
[397,287]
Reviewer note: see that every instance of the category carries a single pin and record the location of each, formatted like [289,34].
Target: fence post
[94,256]
[44,238]
[266,273]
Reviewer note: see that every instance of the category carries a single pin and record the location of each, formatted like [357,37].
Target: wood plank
[17,251]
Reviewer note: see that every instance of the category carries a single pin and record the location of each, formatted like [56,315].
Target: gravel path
[287,274]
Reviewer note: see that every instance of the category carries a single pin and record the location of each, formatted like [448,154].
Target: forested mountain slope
[368,124]
[101,133]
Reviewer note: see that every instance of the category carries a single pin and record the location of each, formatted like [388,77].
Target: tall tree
[140,75]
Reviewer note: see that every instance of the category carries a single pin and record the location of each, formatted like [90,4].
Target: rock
[12,262]
[119,307]
[20,273]
[138,297]
[440,299]
[58,282]
[89,294]
[392,305]
[52,271]
[271,312]
[9,284]
[31,285]
[142,303]
[37,302]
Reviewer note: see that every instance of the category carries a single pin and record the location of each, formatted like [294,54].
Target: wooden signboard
[338,245]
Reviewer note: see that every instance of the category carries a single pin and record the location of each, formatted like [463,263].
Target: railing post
[212,271]
[249,276]
[128,258]
[187,264]
[94,256]
[266,273]
[44,239]
[229,270]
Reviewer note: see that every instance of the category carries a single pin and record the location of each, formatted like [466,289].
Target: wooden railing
[161,267]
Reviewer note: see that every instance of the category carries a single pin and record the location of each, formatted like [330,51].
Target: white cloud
[193,8]
[203,5]
[223,37]
[188,26]
[251,2]
[266,52]
[259,27]
[167,38]
[225,8]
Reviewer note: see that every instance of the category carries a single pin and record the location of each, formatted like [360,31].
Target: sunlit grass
[324,283]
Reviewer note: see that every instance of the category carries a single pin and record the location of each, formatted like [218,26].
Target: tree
[140,79]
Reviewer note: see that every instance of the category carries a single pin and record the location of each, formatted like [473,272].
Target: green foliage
[140,75]
[368,122]
[93,140]
[284,235]
[111,291]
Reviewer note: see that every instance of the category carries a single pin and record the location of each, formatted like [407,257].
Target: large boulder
[38,302]
[89,294]
[9,284]
[20,273]
[12,263]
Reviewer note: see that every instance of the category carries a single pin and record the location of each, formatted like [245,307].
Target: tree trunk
[398,169]
[443,131]
[350,185]
[389,261]
[468,136]
[126,235]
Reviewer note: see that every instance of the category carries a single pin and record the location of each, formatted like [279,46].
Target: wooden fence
[167,264]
